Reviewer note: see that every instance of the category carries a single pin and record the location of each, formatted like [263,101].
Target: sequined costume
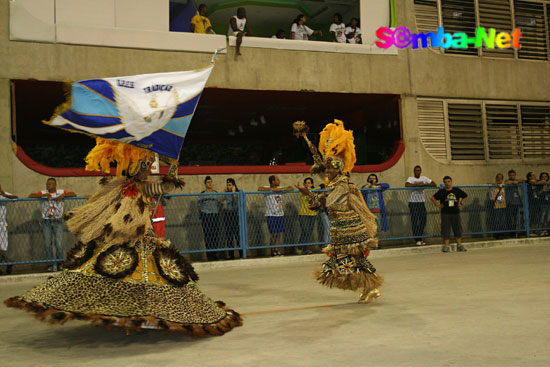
[120,274]
[352,225]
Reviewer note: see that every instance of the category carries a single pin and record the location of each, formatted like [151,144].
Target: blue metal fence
[241,224]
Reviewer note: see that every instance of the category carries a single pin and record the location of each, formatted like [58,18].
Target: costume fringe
[360,280]
[111,215]
[88,220]
[130,324]
[355,250]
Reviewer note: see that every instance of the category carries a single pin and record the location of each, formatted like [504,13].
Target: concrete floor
[486,307]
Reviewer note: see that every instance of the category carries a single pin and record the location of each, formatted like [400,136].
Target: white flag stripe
[61,121]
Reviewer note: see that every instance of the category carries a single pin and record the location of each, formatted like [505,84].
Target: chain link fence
[214,226]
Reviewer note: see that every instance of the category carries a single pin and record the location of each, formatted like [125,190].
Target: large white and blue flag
[151,111]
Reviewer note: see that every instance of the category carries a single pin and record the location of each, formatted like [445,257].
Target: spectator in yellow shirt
[200,23]
[306,218]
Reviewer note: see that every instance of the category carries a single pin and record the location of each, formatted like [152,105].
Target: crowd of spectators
[219,213]
[238,26]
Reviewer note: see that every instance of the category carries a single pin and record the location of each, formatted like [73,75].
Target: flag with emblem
[151,111]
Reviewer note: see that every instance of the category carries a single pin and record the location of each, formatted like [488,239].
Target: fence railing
[224,224]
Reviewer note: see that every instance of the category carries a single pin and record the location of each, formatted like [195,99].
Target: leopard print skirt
[144,284]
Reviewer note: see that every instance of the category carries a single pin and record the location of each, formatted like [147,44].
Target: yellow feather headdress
[105,152]
[337,141]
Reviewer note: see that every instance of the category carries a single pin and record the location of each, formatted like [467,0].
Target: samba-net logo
[401,38]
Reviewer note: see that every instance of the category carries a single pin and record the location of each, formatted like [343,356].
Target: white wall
[97,13]
[374,14]
[32,20]
[151,15]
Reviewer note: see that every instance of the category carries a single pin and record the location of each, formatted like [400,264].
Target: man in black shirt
[450,200]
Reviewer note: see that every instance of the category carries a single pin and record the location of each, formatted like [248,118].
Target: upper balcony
[153,24]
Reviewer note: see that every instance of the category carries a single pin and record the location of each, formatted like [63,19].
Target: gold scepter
[300,129]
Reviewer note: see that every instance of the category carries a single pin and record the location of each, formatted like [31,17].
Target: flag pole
[213,60]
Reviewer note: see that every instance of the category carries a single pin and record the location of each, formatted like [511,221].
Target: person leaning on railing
[498,207]
[375,200]
[209,211]
[544,197]
[230,217]
[52,223]
[4,196]
[306,218]
[274,212]
[513,202]
[200,23]
[534,202]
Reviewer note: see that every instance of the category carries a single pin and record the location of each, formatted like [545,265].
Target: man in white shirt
[337,29]
[4,196]
[274,212]
[416,203]
[52,222]
[238,27]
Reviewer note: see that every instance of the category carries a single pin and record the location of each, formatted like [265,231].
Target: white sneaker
[418,243]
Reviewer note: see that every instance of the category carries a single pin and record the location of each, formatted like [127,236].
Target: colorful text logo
[401,37]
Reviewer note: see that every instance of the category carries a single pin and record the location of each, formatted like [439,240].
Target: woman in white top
[238,27]
[353,32]
[300,31]
[337,29]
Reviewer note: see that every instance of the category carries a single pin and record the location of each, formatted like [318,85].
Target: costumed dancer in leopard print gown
[352,226]
[120,273]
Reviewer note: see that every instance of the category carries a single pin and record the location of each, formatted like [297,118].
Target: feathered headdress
[335,141]
[127,157]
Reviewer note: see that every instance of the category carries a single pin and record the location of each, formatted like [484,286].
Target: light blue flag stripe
[90,102]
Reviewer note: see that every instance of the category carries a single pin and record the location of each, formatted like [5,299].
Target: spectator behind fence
[279,35]
[238,27]
[497,209]
[324,220]
[200,23]
[209,209]
[375,200]
[300,31]
[4,196]
[274,212]
[230,216]
[416,203]
[337,29]
[545,197]
[534,202]
[450,199]
[52,224]
[306,218]
[513,202]
[353,32]
[544,203]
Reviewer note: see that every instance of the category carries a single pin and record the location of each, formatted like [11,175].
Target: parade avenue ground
[489,306]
